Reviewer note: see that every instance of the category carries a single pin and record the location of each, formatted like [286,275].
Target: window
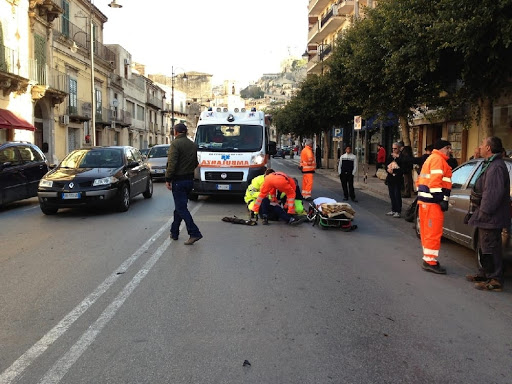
[73,98]
[8,155]
[65,18]
[140,112]
[461,175]
[30,155]
[99,103]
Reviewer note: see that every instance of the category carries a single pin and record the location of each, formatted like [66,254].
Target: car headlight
[105,181]
[45,183]
[257,159]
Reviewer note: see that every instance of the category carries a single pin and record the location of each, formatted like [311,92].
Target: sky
[229,39]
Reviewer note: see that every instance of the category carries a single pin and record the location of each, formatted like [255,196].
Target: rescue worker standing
[434,187]
[179,178]
[277,181]
[307,166]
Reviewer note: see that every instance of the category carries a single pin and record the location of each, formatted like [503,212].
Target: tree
[387,61]
[479,35]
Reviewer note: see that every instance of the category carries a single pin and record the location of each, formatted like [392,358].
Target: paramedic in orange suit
[434,187]
[307,166]
[277,181]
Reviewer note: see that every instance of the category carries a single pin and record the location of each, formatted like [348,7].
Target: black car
[280,153]
[109,176]
[21,167]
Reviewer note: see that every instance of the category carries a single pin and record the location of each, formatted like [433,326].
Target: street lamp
[185,77]
[74,48]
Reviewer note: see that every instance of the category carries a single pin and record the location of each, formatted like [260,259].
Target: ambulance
[233,147]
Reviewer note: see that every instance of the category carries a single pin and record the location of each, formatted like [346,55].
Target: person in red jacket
[434,187]
[381,158]
[307,166]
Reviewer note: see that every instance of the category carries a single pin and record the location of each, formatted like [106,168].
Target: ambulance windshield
[229,138]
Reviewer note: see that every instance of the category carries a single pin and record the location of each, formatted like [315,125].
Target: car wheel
[124,199]
[417,223]
[48,210]
[149,190]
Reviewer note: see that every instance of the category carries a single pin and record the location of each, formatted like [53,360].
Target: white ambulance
[233,148]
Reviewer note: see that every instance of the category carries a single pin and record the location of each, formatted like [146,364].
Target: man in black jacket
[179,178]
[491,202]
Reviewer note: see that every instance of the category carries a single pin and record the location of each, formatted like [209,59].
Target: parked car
[144,152]
[157,160]
[463,180]
[279,153]
[21,167]
[109,176]
[287,150]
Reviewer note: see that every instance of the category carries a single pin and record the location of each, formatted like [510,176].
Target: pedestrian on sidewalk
[381,158]
[347,169]
[407,164]
[434,187]
[394,181]
[318,157]
[179,178]
[307,167]
[491,201]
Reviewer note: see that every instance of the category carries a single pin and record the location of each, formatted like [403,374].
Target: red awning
[9,120]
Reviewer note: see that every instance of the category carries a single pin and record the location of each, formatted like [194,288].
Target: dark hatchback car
[109,176]
[463,180]
[21,167]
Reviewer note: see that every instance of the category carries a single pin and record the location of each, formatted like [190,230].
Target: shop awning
[9,120]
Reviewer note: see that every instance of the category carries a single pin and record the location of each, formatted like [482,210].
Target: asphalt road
[105,297]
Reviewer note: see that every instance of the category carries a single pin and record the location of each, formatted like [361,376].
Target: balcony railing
[82,110]
[82,39]
[12,62]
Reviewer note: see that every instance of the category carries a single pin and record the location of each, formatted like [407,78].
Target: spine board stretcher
[332,215]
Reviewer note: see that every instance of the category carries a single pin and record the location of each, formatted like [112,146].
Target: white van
[233,148]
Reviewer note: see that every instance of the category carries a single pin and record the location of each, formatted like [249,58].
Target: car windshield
[229,138]
[158,152]
[94,158]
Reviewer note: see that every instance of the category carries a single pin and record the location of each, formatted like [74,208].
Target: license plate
[223,187]
[75,195]
[159,170]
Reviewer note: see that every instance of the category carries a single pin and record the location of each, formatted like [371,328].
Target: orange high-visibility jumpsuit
[434,185]
[277,181]
[308,166]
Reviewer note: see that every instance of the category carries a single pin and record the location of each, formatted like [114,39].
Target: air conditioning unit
[64,119]
[126,61]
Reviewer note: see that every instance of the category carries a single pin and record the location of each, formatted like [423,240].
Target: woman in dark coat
[394,180]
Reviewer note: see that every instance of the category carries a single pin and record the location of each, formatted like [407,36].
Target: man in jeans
[491,199]
[179,178]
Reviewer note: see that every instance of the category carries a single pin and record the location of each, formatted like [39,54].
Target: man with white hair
[307,166]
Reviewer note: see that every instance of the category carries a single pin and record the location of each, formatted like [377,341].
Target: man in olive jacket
[491,202]
[179,178]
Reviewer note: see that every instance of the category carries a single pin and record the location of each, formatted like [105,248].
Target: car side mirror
[52,166]
[5,165]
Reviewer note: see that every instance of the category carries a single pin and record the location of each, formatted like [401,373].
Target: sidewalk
[363,181]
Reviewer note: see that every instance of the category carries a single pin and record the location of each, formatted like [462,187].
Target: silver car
[463,180]
[157,160]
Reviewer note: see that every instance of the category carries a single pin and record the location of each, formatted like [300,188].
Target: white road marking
[25,360]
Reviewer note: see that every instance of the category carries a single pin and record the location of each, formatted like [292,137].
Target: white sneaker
[390,213]
[397,215]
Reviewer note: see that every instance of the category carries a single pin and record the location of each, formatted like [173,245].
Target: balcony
[154,101]
[82,39]
[14,75]
[48,82]
[80,112]
[329,24]
[315,7]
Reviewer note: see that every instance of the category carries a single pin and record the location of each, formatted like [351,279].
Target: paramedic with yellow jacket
[434,187]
